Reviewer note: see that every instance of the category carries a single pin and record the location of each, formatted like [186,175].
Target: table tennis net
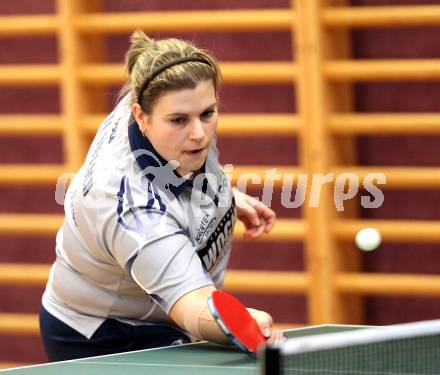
[411,348]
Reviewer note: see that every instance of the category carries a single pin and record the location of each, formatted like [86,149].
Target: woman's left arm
[255,215]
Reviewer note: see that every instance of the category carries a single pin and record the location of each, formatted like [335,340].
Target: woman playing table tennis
[149,216]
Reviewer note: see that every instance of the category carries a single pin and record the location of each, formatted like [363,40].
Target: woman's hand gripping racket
[236,322]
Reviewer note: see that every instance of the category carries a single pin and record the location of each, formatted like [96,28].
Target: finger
[263,320]
[270,222]
[268,215]
[248,213]
[266,331]
[265,328]
[255,232]
[279,336]
[242,199]
[276,337]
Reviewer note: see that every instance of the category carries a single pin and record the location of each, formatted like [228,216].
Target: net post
[271,361]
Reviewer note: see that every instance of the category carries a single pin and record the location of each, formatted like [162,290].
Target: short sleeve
[169,269]
[148,243]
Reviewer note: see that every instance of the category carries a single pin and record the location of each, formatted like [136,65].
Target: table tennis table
[198,358]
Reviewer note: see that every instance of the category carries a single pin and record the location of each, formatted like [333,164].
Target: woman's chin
[190,171]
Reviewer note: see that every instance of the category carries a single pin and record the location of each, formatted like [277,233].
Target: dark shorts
[63,342]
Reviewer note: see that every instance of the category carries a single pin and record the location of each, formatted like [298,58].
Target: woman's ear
[140,116]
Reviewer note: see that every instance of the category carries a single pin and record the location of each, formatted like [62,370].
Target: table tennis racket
[236,322]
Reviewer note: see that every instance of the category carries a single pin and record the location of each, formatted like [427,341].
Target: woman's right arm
[191,312]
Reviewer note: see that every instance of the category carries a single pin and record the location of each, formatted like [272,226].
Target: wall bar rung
[31,174]
[29,75]
[383,70]
[40,174]
[259,72]
[259,124]
[30,224]
[19,324]
[397,177]
[102,74]
[28,325]
[388,284]
[385,123]
[215,20]
[284,230]
[278,282]
[383,16]
[28,25]
[48,224]
[284,326]
[35,125]
[24,274]
[391,230]
[274,282]
[253,175]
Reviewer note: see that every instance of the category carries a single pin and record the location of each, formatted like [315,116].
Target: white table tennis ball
[368,239]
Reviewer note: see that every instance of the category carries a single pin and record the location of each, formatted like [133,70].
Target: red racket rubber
[236,322]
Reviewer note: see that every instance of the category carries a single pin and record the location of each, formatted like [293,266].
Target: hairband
[163,67]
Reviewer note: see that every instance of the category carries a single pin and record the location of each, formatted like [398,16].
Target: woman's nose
[197,130]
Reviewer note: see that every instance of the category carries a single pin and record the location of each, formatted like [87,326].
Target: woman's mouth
[194,152]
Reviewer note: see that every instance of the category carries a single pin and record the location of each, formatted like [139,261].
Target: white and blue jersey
[126,206]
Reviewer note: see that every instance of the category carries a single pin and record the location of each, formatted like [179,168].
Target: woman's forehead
[187,100]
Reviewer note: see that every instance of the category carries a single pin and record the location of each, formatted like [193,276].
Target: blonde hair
[146,55]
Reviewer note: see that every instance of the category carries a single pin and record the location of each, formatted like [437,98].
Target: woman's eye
[208,114]
[178,120]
